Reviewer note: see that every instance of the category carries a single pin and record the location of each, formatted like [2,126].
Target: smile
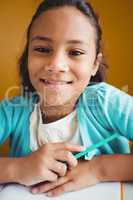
[53,82]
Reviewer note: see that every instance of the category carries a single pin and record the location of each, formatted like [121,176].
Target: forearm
[115,167]
[8,170]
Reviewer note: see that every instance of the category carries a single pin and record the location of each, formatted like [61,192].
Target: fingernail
[34,190]
[49,194]
[82,148]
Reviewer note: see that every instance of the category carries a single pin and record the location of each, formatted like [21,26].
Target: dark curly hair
[87,10]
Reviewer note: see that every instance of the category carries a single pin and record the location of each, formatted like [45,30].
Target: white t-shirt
[62,130]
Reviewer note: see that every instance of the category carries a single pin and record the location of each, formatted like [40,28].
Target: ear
[96,64]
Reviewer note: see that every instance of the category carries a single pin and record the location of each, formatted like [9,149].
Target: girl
[65,106]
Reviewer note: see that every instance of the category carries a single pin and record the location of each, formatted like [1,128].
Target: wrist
[14,170]
[98,169]
[8,169]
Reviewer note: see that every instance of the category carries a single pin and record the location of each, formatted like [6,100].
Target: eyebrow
[47,39]
[42,38]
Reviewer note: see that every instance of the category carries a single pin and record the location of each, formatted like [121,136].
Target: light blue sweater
[101,110]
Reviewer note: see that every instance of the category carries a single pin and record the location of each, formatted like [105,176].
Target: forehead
[63,23]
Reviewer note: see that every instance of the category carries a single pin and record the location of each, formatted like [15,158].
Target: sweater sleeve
[6,116]
[117,107]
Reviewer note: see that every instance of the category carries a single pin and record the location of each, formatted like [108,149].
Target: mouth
[55,82]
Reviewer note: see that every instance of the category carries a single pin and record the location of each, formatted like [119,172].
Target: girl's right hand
[46,164]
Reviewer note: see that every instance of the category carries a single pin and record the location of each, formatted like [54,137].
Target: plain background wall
[116,20]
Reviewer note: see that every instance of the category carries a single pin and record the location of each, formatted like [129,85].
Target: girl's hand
[46,164]
[81,176]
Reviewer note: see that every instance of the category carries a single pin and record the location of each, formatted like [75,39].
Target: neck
[54,113]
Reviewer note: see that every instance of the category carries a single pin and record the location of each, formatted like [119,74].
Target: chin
[53,104]
[53,101]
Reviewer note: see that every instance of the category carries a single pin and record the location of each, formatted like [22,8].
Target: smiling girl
[68,107]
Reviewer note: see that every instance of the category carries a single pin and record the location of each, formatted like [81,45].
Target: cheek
[34,66]
[83,73]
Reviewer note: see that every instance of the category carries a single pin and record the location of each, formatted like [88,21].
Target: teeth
[45,81]
[48,82]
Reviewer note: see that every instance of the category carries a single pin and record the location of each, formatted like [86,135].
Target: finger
[59,167]
[50,176]
[45,187]
[67,187]
[67,157]
[69,147]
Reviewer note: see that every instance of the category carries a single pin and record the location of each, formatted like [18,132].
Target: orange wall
[116,19]
[15,15]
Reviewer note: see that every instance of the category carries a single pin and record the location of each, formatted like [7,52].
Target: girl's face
[62,55]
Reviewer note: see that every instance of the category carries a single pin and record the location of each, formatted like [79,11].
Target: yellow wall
[116,19]
[14,18]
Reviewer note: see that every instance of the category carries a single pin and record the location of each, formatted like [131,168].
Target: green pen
[99,144]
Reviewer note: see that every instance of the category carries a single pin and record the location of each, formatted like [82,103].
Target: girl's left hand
[81,176]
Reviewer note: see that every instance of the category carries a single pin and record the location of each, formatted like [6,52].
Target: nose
[57,63]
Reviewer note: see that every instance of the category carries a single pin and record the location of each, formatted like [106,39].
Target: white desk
[102,191]
[110,191]
[128,191]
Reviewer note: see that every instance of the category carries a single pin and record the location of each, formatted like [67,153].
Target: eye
[45,50]
[76,53]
